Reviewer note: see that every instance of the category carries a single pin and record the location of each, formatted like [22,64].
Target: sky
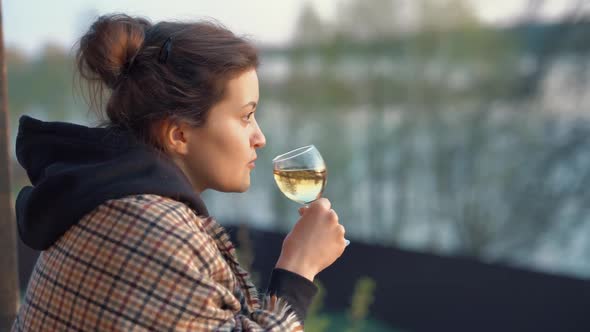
[31,24]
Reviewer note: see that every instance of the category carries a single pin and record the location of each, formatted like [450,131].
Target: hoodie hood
[73,169]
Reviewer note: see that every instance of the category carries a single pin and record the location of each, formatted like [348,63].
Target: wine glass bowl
[301,174]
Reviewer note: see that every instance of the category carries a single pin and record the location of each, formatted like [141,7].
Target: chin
[244,188]
[235,188]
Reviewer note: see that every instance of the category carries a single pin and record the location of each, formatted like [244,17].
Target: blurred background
[456,135]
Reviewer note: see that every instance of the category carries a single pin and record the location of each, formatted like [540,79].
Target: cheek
[231,147]
[230,164]
[235,142]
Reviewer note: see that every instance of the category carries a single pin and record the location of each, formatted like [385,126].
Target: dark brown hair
[165,71]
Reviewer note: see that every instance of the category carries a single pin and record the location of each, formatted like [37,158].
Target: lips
[252,163]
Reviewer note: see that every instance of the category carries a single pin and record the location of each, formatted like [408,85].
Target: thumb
[302,210]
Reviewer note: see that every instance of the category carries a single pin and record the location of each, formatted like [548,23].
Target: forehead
[243,88]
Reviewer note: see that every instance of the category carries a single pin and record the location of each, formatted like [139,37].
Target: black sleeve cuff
[297,290]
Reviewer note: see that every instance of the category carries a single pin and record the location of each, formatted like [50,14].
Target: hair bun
[109,46]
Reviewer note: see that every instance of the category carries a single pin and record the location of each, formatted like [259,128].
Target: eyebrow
[252,103]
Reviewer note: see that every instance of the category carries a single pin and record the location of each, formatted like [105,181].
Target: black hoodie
[73,169]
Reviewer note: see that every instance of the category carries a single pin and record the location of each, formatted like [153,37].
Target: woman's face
[220,154]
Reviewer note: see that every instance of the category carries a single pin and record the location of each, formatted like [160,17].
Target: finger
[342,230]
[322,202]
[333,216]
[302,210]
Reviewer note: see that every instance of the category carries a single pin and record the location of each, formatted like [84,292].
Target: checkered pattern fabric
[146,263]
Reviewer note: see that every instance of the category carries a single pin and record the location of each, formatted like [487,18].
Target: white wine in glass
[301,174]
[301,185]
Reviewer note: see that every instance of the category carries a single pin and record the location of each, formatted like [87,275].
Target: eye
[248,117]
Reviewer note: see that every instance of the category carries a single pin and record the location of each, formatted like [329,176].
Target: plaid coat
[146,263]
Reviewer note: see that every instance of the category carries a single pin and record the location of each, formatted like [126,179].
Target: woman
[127,242]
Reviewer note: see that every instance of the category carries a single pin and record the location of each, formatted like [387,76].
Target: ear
[175,137]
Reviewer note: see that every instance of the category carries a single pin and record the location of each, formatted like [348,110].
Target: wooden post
[9,292]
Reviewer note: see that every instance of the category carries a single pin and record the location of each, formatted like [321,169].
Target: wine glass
[301,174]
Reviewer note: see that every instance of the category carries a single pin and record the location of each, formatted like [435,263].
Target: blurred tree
[367,20]
[549,45]
[43,84]
[311,29]
[432,99]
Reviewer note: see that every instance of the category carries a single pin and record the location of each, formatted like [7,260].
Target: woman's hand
[315,242]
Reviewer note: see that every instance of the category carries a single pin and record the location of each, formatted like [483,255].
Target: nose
[258,140]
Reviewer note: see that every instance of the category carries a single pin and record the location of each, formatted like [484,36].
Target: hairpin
[165,50]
